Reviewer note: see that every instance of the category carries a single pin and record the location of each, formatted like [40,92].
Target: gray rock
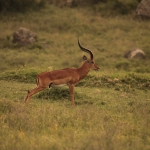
[143,9]
[24,36]
[136,53]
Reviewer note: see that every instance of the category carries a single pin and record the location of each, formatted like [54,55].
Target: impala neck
[83,70]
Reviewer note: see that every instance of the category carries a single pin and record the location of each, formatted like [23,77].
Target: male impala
[67,76]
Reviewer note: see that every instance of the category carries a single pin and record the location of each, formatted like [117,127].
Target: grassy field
[112,109]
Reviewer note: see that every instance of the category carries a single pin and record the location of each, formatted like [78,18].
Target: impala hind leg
[32,92]
[71,87]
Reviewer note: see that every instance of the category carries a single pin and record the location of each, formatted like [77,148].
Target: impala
[67,76]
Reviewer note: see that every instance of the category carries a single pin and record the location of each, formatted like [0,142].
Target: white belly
[60,85]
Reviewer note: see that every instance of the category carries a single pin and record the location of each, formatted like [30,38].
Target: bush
[20,5]
[27,76]
[109,7]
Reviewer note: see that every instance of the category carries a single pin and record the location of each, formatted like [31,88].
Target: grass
[57,36]
[112,106]
[105,118]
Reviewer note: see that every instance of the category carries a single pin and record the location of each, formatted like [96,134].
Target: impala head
[90,62]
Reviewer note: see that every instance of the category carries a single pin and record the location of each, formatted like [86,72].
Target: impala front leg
[71,87]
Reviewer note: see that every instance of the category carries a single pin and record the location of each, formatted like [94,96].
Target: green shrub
[28,76]
[114,7]
[137,81]
[20,5]
[74,3]
[54,93]
[105,7]
[57,94]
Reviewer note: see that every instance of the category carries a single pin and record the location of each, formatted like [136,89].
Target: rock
[24,36]
[143,9]
[136,53]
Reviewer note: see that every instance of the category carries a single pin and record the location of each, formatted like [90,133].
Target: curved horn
[85,50]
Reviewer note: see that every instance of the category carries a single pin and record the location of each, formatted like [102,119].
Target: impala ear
[84,57]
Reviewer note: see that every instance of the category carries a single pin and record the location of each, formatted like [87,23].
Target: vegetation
[21,6]
[112,105]
[106,7]
[109,7]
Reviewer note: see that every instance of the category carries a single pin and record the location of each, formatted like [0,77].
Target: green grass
[104,118]
[112,109]
[58,31]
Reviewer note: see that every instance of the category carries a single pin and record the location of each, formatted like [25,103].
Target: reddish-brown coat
[67,76]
